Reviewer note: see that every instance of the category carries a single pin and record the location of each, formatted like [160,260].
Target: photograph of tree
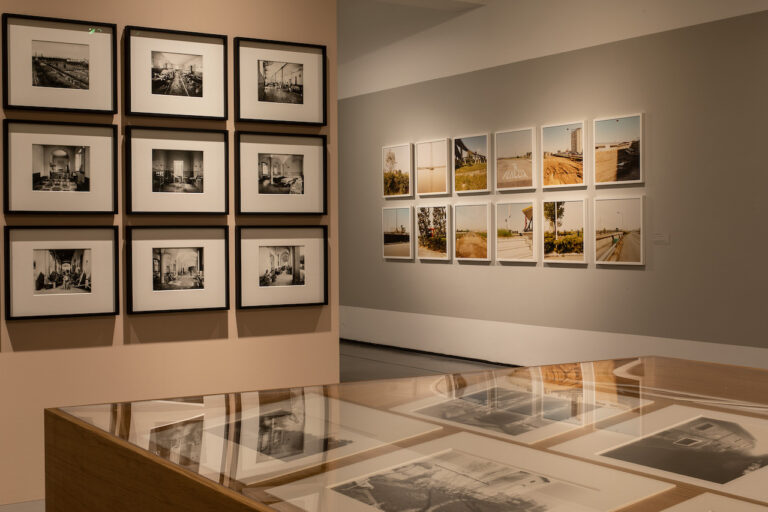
[564,231]
[432,223]
[396,166]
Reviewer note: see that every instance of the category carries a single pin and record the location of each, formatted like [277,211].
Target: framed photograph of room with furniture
[280,82]
[562,155]
[281,266]
[171,73]
[279,173]
[397,233]
[58,64]
[61,271]
[179,170]
[177,268]
[54,167]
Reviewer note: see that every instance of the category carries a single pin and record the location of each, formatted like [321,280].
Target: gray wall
[704,92]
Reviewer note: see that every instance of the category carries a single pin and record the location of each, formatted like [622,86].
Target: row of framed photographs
[559,162]
[72,168]
[50,62]
[73,270]
[617,236]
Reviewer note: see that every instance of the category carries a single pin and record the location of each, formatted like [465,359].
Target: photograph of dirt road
[470,163]
[471,231]
[618,231]
[562,147]
[617,149]
[396,224]
[432,235]
[514,231]
[564,231]
[432,167]
[514,159]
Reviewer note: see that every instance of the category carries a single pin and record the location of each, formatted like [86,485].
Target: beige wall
[51,363]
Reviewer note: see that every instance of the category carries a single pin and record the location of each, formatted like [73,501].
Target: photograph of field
[563,155]
[470,163]
[60,65]
[617,149]
[471,231]
[396,168]
[514,231]
[618,230]
[564,231]
[432,167]
[396,225]
[514,159]
[432,225]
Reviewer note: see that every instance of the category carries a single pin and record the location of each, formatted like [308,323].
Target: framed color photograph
[476,472]
[396,170]
[619,231]
[180,170]
[709,502]
[433,225]
[177,268]
[280,82]
[61,271]
[397,231]
[170,73]
[59,167]
[618,157]
[471,228]
[282,266]
[516,231]
[563,231]
[562,155]
[515,159]
[432,174]
[57,64]
[280,173]
[470,164]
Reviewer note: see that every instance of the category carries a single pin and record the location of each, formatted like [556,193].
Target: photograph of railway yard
[617,149]
[396,166]
[471,230]
[470,163]
[618,230]
[432,223]
[564,235]
[514,159]
[563,151]
[514,231]
[60,65]
[432,167]
[396,224]
[177,74]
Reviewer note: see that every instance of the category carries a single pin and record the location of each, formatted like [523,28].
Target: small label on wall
[661,239]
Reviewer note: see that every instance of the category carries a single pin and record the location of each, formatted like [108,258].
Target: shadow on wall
[61,333]
[168,327]
[282,321]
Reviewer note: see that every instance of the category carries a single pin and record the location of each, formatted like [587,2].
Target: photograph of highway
[177,74]
[514,231]
[470,167]
[514,159]
[281,82]
[617,149]
[618,230]
[60,65]
[471,231]
[563,151]
[396,224]
[432,167]
[564,232]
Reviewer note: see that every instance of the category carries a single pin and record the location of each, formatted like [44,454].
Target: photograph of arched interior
[177,171]
[177,74]
[177,268]
[281,265]
[61,168]
[281,82]
[59,271]
[281,174]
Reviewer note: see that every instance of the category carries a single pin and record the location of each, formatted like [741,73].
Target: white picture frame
[513,145]
[432,171]
[396,161]
[397,233]
[516,239]
[435,225]
[624,135]
[624,244]
[468,219]
[710,502]
[555,141]
[467,152]
[574,217]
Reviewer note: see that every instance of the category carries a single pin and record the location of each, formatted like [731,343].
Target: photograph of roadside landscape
[514,159]
[617,150]
[514,231]
[562,147]
[470,163]
[564,231]
[396,166]
[432,167]
[471,231]
[432,225]
[396,225]
[618,231]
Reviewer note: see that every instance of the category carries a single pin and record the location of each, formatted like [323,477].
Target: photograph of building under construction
[60,65]
[281,82]
[177,74]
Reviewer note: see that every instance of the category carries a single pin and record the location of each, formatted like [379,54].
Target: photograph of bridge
[60,65]
[471,231]
[281,82]
[514,231]
[396,227]
[617,149]
[564,231]
[177,74]
[618,230]
[514,159]
[470,163]
[562,149]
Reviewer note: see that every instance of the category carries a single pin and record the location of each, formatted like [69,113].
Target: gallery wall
[58,362]
[702,286]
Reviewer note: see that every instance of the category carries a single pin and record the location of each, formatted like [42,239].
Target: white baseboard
[526,345]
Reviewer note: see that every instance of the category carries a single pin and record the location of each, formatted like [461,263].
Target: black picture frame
[238,272]
[129,29]
[238,41]
[7,270]
[129,169]
[238,188]
[6,168]
[129,230]
[92,25]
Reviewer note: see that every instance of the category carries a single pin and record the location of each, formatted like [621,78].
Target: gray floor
[360,361]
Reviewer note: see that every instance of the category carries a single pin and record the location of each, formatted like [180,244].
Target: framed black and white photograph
[180,170]
[280,82]
[177,268]
[280,173]
[59,64]
[60,271]
[281,266]
[171,73]
[59,167]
